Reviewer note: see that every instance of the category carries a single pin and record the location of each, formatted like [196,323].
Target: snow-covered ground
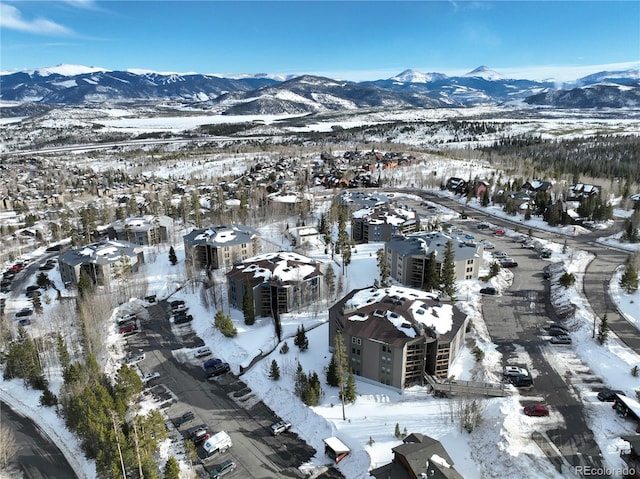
[500,447]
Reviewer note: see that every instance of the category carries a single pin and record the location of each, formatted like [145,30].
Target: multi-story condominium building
[408,256]
[382,222]
[103,262]
[142,230]
[218,247]
[362,199]
[396,335]
[280,282]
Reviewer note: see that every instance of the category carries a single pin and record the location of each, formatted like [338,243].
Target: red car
[499,232]
[536,410]
[128,328]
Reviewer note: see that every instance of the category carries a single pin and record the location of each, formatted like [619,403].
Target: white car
[280,427]
[133,358]
[150,376]
[515,371]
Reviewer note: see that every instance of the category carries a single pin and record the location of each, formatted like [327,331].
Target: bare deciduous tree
[8,446]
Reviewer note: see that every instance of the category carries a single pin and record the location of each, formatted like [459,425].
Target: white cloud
[11,18]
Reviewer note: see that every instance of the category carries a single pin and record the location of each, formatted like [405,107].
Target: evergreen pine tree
[171,469]
[85,285]
[301,339]
[603,330]
[332,372]
[274,370]
[431,279]
[629,279]
[223,323]
[330,282]
[397,432]
[301,382]
[248,308]
[173,259]
[383,267]
[285,348]
[448,273]
[350,392]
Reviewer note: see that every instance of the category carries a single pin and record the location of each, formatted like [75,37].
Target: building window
[355,340]
[469,261]
[355,351]
[470,269]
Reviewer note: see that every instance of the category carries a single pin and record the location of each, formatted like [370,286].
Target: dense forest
[606,156]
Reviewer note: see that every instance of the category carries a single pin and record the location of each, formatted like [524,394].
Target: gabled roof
[222,235]
[283,268]
[422,244]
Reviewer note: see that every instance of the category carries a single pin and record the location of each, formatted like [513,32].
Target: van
[203,352]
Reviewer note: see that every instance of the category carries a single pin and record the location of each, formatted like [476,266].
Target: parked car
[558,326]
[193,431]
[546,274]
[185,418]
[514,371]
[200,436]
[536,410]
[609,395]
[555,332]
[24,322]
[150,376]
[483,226]
[127,318]
[133,358]
[545,253]
[203,352]
[31,294]
[508,263]
[279,427]
[128,328]
[521,381]
[520,239]
[222,469]
[47,267]
[560,340]
[499,254]
[210,363]
[487,244]
[180,308]
[182,319]
[491,291]
[499,232]
[151,298]
[24,312]
[176,303]
[218,370]
[33,287]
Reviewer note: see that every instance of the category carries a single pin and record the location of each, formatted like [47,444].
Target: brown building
[218,247]
[396,335]
[382,222]
[407,256]
[280,282]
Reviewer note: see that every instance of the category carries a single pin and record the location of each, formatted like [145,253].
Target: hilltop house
[280,282]
[218,247]
[103,262]
[396,335]
[408,256]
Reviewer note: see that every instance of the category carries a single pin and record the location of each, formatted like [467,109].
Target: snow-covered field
[500,447]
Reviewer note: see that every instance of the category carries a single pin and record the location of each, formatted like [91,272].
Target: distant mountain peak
[414,76]
[485,73]
[65,70]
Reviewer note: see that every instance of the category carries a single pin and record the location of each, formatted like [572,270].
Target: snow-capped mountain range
[273,94]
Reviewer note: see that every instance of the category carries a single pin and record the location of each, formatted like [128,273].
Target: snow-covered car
[150,376]
[132,358]
[560,340]
[487,244]
[279,427]
[499,254]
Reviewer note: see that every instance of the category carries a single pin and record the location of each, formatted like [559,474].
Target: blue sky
[354,40]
